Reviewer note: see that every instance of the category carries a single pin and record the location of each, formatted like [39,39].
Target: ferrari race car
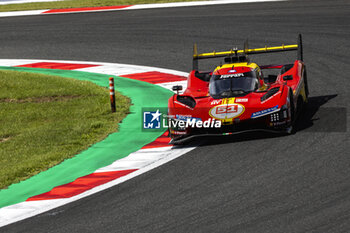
[235,97]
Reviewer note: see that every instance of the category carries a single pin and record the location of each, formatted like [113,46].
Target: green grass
[78,3]
[47,119]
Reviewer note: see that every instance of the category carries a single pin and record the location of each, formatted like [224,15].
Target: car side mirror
[177,88]
[288,77]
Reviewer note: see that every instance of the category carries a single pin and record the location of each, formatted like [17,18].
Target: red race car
[235,97]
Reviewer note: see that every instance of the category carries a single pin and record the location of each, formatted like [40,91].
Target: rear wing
[240,55]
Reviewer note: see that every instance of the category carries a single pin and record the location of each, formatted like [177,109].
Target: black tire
[290,129]
[300,107]
[292,106]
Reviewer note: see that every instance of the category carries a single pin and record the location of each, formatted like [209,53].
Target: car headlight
[280,115]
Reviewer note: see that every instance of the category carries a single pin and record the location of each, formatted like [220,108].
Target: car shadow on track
[314,118]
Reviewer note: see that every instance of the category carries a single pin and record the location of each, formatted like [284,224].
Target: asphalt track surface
[245,183]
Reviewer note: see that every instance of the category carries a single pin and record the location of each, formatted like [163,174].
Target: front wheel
[290,129]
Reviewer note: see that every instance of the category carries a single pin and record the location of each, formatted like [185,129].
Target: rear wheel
[300,106]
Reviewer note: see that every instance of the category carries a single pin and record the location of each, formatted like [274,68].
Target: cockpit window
[231,85]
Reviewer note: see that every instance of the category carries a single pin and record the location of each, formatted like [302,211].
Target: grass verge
[78,3]
[47,119]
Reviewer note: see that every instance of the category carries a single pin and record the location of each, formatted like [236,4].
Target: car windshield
[231,85]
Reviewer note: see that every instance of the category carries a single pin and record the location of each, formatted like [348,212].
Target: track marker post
[112,93]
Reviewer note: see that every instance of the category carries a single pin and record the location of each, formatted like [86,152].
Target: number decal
[226,111]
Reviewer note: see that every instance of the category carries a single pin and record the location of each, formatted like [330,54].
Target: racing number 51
[227,109]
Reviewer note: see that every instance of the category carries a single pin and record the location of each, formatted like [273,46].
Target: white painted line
[137,159]
[195,3]
[21,13]
[15,211]
[6,2]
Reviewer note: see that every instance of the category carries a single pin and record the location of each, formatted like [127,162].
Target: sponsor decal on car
[277,123]
[241,100]
[226,111]
[265,112]
[237,75]
[186,117]
[215,102]
[178,132]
